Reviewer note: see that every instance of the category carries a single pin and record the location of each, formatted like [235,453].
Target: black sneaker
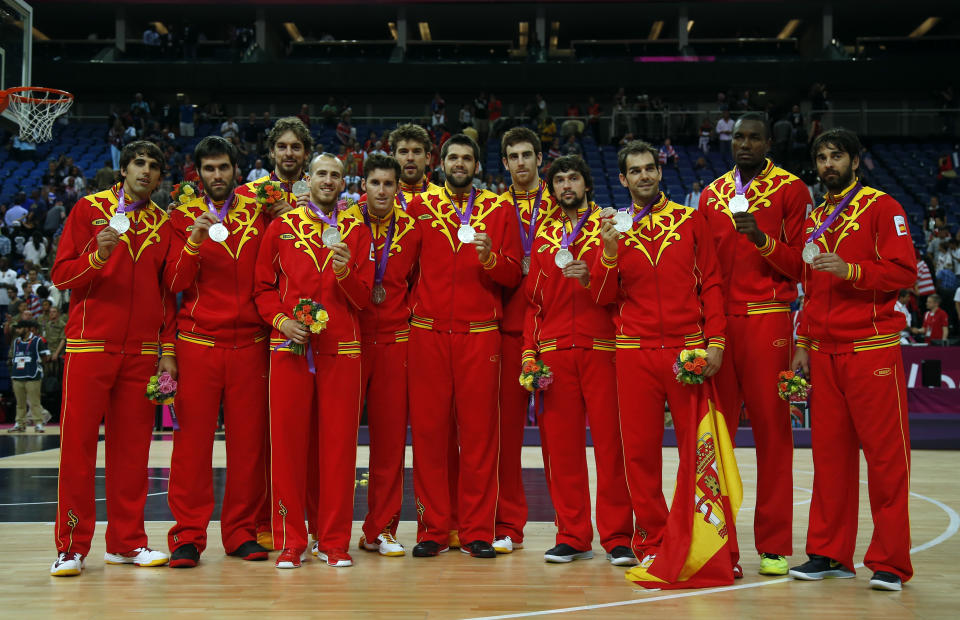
[622,556]
[882,580]
[563,553]
[250,551]
[821,567]
[429,549]
[185,556]
[479,549]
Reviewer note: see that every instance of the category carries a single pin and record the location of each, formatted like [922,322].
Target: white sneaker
[67,565]
[505,544]
[315,549]
[38,428]
[141,556]
[389,546]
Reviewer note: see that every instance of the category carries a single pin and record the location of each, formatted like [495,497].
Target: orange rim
[14,93]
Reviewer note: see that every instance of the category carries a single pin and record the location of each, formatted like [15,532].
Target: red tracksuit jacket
[293,263]
[216,306]
[121,305]
[665,281]
[515,300]
[561,313]
[390,321]
[778,201]
[855,313]
[453,291]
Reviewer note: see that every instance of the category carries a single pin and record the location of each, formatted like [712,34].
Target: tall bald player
[757,198]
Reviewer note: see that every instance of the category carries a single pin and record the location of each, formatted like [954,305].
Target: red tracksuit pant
[108,387]
[584,388]
[512,503]
[645,380]
[385,390]
[209,376]
[326,405]
[758,348]
[860,399]
[454,382]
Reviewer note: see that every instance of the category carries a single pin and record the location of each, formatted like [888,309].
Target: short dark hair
[568,163]
[410,132]
[840,139]
[460,139]
[518,135]
[380,162]
[141,147]
[636,147]
[212,146]
[294,124]
[755,117]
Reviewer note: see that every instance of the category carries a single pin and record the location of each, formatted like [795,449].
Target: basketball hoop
[35,108]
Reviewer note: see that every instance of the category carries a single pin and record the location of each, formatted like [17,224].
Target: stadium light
[425,31]
[924,27]
[689,26]
[523,38]
[393,30]
[655,30]
[789,29]
[293,31]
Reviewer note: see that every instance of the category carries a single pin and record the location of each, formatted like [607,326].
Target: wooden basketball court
[454,585]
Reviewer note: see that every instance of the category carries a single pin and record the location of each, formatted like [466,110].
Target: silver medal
[120,223]
[466,233]
[810,252]
[622,222]
[739,204]
[525,265]
[563,258]
[300,188]
[219,233]
[330,236]
[378,294]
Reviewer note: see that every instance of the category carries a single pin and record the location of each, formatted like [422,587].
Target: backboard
[16,44]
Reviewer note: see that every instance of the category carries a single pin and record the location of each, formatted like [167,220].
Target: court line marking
[952,527]
[99,499]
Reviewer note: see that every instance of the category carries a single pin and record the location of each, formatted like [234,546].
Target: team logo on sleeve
[901,225]
[99,222]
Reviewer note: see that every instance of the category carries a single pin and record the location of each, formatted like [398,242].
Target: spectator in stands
[250,133]
[903,299]
[115,140]
[438,119]
[437,104]
[187,117]
[304,114]
[257,172]
[329,111]
[481,116]
[943,265]
[229,128]
[139,107]
[105,177]
[189,172]
[548,131]
[571,147]
[935,321]
[351,193]
[593,117]
[35,249]
[692,199]
[8,278]
[345,130]
[27,352]
[725,131]
[704,135]
[466,116]
[495,109]
[780,133]
[541,105]
[940,235]
[53,331]
[667,154]
[15,214]
[28,284]
[76,181]
[55,217]
[6,247]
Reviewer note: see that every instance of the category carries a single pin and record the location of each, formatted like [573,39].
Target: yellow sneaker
[454,540]
[772,564]
[265,540]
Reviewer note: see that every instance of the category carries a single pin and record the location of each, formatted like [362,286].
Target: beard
[221,193]
[572,203]
[465,182]
[843,180]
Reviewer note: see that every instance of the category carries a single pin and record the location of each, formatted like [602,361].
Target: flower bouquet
[311,315]
[269,193]
[161,389]
[183,192]
[690,365]
[792,386]
[536,376]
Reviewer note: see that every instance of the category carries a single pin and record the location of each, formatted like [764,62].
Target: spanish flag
[699,547]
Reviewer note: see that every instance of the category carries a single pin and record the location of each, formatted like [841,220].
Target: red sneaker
[290,558]
[337,559]
[737,572]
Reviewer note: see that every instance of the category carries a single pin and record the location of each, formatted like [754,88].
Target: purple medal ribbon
[122,207]
[465,214]
[174,424]
[382,265]
[836,212]
[403,199]
[567,239]
[646,210]
[309,355]
[287,186]
[740,188]
[222,212]
[329,220]
[526,237]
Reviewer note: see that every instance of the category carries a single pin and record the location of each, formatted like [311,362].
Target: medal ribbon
[466,213]
[308,355]
[836,212]
[286,185]
[385,256]
[566,239]
[123,208]
[526,236]
[222,212]
[740,188]
[403,199]
[330,220]
[646,210]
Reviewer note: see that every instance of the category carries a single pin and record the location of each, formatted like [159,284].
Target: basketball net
[34,109]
